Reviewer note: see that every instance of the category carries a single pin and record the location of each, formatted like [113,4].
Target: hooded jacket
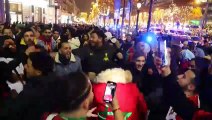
[131,101]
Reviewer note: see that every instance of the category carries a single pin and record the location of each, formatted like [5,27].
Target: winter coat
[61,69]
[96,59]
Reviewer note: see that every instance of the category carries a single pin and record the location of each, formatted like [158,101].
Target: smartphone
[164,51]
[109,92]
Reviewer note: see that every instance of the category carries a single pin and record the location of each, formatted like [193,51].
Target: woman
[136,68]
[84,40]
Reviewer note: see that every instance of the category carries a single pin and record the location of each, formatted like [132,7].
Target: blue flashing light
[149,38]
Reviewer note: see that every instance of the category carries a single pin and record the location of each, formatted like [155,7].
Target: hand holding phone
[109,92]
[165,58]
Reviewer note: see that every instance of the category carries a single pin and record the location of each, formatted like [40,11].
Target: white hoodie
[74,43]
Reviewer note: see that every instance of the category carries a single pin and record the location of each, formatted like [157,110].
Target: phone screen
[164,54]
[109,92]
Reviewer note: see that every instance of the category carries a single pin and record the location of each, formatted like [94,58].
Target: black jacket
[153,93]
[136,74]
[96,60]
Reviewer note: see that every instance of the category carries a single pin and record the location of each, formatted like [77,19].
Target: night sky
[84,5]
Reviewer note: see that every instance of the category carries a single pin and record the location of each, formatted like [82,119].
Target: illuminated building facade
[44,11]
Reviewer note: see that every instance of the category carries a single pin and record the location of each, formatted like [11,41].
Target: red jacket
[131,101]
[202,115]
[195,100]
[47,42]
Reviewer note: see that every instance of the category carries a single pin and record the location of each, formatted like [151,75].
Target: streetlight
[138,12]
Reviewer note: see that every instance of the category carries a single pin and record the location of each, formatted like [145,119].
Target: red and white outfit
[131,101]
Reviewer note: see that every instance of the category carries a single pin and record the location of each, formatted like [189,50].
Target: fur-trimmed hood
[72,59]
[116,75]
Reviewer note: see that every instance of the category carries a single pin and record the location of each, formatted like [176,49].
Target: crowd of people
[59,72]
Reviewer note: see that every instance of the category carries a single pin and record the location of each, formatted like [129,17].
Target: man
[18,32]
[28,40]
[46,37]
[97,56]
[39,66]
[198,52]
[185,44]
[65,61]
[9,55]
[187,83]
[56,38]
[7,31]
[56,35]
[180,103]
[206,47]
[7,47]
